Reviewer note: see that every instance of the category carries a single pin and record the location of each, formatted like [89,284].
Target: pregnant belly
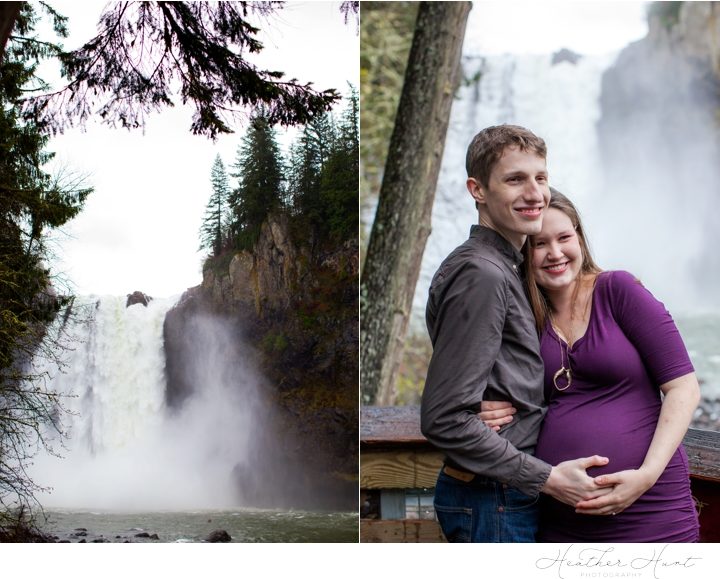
[623,435]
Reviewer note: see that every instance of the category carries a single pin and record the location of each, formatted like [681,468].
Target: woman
[609,349]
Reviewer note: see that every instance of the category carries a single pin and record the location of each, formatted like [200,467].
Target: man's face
[516,196]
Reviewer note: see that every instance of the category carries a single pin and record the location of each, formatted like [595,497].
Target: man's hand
[569,483]
[496,414]
[627,486]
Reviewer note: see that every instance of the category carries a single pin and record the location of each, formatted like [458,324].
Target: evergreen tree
[32,202]
[323,176]
[316,144]
[350,125]
[338,195]
[260,190]
[213,231]
[147,52]
[294,177]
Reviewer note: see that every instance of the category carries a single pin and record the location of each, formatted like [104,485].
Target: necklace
[563,371]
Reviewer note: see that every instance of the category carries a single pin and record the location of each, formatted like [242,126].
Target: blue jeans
[484,511]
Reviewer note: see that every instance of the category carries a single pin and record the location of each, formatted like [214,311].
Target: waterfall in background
[125,449]
[645,217]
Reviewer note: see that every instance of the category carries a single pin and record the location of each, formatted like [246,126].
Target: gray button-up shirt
[485,347]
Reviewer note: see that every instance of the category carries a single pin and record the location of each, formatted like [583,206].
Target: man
[485,347]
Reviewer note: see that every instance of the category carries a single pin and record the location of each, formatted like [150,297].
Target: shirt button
[501,509]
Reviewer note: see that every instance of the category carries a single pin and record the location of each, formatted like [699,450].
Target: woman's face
[556,254]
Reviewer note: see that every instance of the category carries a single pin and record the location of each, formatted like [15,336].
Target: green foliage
[312,150]
[324,176]
[32,203]
[219,264]
[473,80]
[144,51]
[260,190]
[318,366]
[307,320]
[340,178]
[214,229]
[274,343]
[317,187]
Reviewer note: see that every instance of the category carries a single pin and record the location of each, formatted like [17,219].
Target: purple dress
[630,348]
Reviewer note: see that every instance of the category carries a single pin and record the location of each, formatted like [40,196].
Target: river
[243,526]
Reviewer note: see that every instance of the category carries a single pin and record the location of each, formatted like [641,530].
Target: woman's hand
[496,414]
[628,486]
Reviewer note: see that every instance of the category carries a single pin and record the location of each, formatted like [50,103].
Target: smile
[557,268]
[530,211]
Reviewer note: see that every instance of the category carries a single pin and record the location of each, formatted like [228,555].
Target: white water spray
[125,449]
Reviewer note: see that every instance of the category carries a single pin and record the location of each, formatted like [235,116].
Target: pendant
[568,377]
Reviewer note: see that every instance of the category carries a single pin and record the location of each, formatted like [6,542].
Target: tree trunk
[402,221]
[8,15]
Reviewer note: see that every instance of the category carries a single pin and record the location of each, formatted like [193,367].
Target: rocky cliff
[297,307]
[667,81]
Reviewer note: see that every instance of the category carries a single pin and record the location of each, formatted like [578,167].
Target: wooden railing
[398,469]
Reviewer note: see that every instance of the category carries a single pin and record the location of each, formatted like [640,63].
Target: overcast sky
[139,229]
[540,27]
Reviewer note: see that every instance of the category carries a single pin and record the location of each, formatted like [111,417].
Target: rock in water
[218,536]
[565,55]
[137,297]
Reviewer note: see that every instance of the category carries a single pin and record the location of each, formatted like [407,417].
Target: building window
[419,504]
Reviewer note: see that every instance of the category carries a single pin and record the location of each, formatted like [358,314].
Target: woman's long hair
[539,302]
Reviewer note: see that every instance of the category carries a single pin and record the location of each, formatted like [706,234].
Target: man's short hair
[489,145]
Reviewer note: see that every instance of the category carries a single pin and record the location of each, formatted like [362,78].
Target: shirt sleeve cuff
[532,476]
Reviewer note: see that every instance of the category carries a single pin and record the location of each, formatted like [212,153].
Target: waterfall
[125,449]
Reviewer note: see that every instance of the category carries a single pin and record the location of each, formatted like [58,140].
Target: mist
[126,449]
[660,176]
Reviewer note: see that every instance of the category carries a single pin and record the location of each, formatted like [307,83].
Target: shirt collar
[494,239]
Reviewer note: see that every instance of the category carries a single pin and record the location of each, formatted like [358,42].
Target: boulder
[218,536]
[137,297]
[565,55]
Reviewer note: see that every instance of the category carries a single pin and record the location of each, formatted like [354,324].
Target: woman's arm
[681,397]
